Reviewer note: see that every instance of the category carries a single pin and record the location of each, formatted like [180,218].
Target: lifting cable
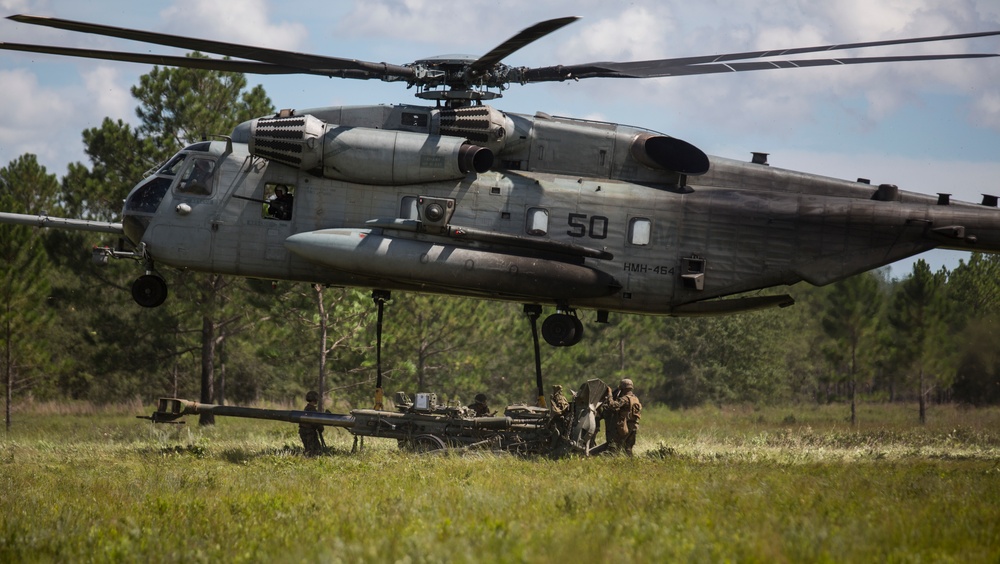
[533,311]
[380,297]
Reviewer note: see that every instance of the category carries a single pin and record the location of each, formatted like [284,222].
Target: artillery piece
[422,425]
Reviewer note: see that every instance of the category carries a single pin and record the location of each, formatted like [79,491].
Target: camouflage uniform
[561,410]
[311,433]
[480,409]
[623,422]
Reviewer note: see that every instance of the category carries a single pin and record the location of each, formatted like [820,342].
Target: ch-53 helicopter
[462,198]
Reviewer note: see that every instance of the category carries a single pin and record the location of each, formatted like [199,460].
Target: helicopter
[454,196]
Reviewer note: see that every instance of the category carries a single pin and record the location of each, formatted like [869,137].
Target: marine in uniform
[623,410]
[561,411]
[311,433]
[479,408]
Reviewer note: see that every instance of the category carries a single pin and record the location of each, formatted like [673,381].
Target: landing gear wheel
[149,290]
[562,330]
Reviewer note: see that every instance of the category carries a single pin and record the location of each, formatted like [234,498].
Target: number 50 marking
[598,226]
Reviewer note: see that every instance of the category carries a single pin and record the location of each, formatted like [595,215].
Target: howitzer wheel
[427,443]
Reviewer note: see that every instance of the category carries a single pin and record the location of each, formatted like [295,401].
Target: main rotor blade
[522,38]
[637,69]
[311,64]
[690,65]
[253,67]
[821,48]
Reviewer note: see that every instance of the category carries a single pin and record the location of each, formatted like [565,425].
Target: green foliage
[851,315]
[25,360]
[973,317]
[179,106]
[977,374]
[974,287]
[723,359]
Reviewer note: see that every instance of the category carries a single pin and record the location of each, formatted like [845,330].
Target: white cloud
[246,21]
[14,6]
[416,21]
[987,108]
[634,34]
[471,27]
[33,114]
[108,95]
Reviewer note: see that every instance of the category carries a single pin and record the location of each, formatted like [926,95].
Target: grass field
[788,484]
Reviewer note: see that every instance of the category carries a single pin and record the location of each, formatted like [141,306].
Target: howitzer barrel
[371,422]
[492,423]
[170,409]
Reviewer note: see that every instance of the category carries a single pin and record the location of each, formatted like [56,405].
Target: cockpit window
[197,177]
[202,147]
[146,198]
[173,166]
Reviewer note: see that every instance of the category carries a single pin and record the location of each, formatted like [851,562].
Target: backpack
[634,409]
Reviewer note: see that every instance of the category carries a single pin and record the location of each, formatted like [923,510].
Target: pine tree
[916,313]
[25,187]
[852,310]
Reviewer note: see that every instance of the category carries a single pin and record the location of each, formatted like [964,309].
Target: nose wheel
[149,290]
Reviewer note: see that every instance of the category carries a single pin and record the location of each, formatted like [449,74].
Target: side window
[408,208]
[197,177]
[278,200]
[639,231]
[537,221]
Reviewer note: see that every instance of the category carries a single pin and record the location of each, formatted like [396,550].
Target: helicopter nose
[134,227]
[141,205]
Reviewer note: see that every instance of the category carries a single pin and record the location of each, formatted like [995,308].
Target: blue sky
[928,127]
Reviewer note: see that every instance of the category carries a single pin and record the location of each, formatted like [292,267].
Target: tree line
[71,331]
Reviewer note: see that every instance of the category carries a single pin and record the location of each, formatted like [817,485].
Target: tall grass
[779,484]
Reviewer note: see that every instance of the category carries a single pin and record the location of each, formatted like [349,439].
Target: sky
[927,127]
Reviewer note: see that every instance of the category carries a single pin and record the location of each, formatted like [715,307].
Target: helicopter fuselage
[567,212]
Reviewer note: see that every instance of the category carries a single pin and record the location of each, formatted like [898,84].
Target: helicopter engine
[365,155]
[669,153]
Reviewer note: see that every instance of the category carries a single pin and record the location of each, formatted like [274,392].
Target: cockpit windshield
[172,166]
[197,178]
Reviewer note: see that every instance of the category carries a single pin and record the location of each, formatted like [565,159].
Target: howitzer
[424,426]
